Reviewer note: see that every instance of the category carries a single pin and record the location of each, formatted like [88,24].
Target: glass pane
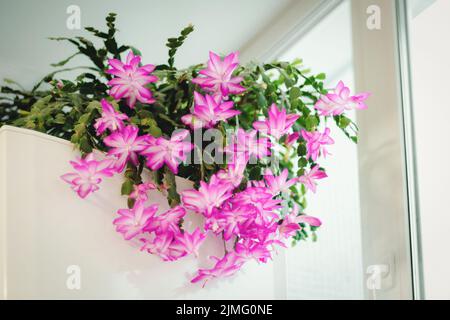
[430,67]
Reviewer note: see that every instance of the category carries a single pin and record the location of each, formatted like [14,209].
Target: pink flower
[209,196]
[291,139]
[234,172]
[247,145]
[189,242]
[253,250]
[312,221]
[339,101]
[140,191]
[309,178]
[261,199]
[133,221]
[315,142]
[289,226]
[278,123]
[89,174]
[230,220]
[171,152]
[277,184]
[224,267]
[208,111]
[167,222]
[218,76]
[162,246]
[291,223]
[125,145]
[110,119]
[130,80]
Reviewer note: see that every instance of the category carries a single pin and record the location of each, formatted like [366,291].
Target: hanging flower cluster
[249,218]
[271,129]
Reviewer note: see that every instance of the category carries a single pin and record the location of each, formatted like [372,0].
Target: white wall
[221,26]
[430,50]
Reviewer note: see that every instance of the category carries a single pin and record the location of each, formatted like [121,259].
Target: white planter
[45,228]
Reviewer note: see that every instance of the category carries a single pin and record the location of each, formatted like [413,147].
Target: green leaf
[63,62]
[111,45]
[344,122]
[302,162]
[60,118]
[294,93]
[130,203]
[187,30]
[262,102]
[155,131]
[10,81]
[287,79]
[94,105]
[311,123]
[127,187]
[173,197]
[255,173]
[321,76]
[174,43]
[85,146]
[301,150]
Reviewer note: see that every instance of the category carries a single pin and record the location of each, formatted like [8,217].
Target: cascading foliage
[268,120]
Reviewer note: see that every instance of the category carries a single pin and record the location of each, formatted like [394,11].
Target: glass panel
[430,67]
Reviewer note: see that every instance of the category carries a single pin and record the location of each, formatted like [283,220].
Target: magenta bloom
[253,250]
[89,174]
[209,196]
[125,145]
[281,183]
[208,111]
[340,100]
[315,142]
[309,178]
[291,139]
[278,123]
[110,119]
[224,267]
[140,191]
[231,220]
[291,223]
[162,246]
[218,76]
[171,152]
[234,172]
[289,226]
[189,242]
[130,80]
[312,221]
[133,221]
[262,201]
[247,145]
[167,222]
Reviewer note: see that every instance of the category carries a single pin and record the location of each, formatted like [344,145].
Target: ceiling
[221,26]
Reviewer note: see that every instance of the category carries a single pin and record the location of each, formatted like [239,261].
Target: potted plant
[249,138]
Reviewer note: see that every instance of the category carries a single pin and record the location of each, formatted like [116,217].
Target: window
[332,267]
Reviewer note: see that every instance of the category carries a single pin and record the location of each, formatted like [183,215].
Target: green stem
[173,198]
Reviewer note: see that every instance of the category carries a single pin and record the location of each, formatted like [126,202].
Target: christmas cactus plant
[249,137]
